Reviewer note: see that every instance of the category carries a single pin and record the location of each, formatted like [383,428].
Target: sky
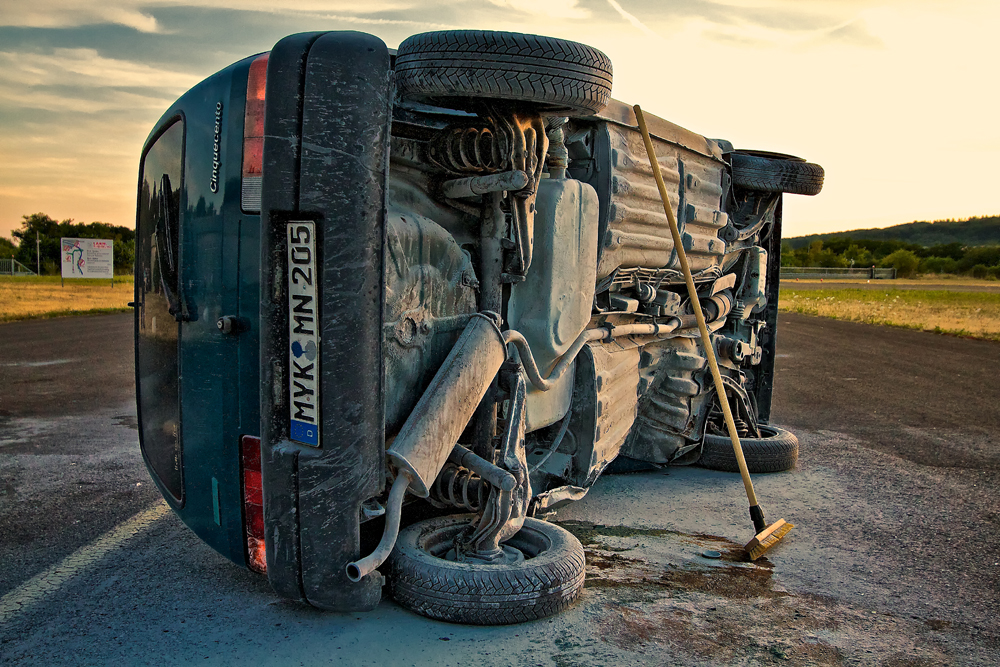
[896,99]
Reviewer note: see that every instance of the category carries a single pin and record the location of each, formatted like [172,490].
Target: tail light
[253,503]
[253,135]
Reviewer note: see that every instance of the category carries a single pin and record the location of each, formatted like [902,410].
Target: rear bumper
[325,161]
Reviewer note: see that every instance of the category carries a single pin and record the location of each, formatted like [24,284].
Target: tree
[904,261]
[986,255]
[861,257]
[7,248]
[49,232]
[938,265]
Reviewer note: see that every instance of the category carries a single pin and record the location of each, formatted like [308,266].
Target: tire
[778,450]
[560,76]
[773,172]
[544,583]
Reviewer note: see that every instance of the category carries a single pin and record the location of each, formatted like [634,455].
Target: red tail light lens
[253,503]
[253,135]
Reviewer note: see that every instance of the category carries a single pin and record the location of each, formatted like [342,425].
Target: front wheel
[545,582]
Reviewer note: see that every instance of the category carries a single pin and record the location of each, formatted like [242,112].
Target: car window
[159,307]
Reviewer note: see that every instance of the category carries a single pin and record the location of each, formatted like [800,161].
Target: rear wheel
[544,582]
[775,451]
[557,75]
[775,172]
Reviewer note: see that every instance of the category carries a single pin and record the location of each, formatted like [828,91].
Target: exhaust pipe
[357,570]
[432,429]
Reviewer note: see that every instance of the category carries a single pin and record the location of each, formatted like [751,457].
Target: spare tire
[775,451]
[545,582]
[774,172]
[449,67]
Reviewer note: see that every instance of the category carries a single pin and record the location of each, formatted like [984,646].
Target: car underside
[471,307]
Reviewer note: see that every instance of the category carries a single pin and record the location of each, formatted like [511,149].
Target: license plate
[303,334]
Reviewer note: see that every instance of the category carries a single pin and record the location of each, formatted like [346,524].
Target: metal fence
[830,272]
[11,267]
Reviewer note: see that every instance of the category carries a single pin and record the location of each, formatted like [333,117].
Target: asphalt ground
[895,558]
[69,464]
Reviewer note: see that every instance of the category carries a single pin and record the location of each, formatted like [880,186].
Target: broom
[766,536]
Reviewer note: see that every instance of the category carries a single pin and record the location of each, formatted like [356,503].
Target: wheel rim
[439,543]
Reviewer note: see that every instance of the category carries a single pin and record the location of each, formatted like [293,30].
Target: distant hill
[971,232]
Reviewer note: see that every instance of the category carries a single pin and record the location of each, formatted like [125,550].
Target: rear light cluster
[253,136]
[253,503]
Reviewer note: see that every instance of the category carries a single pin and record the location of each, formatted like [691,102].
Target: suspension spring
[470,150]
[458,487]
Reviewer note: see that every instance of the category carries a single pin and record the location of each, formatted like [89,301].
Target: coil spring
[458,487]
[476,150]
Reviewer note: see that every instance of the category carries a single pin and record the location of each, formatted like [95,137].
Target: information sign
[88,258]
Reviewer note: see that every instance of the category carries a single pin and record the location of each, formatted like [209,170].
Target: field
[971,314]
[32,297]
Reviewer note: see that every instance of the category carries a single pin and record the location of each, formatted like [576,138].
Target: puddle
[651,590]
[669,562]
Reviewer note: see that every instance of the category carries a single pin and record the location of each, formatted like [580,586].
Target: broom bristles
[767,538]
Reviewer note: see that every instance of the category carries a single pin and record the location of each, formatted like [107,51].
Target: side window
[158,307]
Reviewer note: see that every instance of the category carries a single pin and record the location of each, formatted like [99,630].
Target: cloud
[66,13]
[136,14]
[753,23]
[856,33]
[83,81]
[632,19]
[85,67]
[371,20]
[565,9]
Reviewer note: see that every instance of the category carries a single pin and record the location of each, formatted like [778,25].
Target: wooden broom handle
[706,342]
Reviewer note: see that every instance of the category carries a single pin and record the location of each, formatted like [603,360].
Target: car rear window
[159,307]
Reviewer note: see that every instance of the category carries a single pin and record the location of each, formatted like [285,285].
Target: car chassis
[437,280]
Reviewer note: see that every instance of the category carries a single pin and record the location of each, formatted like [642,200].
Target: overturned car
[432,293]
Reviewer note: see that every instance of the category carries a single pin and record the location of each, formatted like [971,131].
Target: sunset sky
[897,99]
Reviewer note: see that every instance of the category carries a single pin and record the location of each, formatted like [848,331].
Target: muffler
[431,431]
[443,412]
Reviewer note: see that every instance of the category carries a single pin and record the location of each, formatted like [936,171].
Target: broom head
[767,538]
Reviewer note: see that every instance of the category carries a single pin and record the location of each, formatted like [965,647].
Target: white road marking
[50,580]
[35,364]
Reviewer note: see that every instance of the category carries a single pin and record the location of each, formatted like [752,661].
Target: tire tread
[763,174]
[486,596]
[776,453]
[490,64]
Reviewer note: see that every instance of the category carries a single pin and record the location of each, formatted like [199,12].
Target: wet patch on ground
[22,435]
[128,421]
[652,589]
